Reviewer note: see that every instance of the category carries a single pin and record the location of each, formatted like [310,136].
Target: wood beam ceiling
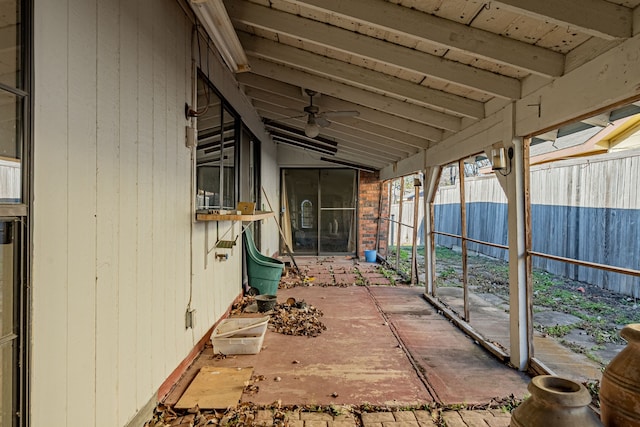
[598,18]
[374,49]
[446,33]
[328,103]
[349,93]
[363,78]
[343,133]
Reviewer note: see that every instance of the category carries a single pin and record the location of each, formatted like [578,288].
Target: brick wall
[369,235]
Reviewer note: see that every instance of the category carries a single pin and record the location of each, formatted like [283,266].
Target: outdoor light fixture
[501,161]
[216,21]
[312,129]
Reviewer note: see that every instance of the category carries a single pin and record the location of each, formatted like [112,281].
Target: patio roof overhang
[443,78]
[435,82]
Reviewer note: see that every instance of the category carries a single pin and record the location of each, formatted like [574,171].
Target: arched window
[306,214]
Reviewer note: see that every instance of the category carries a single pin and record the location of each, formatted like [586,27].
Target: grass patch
[388,274]
[558,331]
[447,273]
[444,253]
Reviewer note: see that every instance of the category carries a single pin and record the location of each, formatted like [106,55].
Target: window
[306,214]
[217,150]
[15,81]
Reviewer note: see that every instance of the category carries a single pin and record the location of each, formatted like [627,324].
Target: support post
[414,248]
[520,331]
[463,243]
[431,179]
[399,236]
[527,243]
[389,222]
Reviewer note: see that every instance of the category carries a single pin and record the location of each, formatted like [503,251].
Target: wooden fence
[587,209]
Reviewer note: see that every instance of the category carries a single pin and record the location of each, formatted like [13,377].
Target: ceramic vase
[555,402]
[620,387]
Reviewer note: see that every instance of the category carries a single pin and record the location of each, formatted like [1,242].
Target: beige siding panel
[127,302]
[270,179]
[107,235]
[171,305]
[49,327]
[145,383]
[115,257]
[183,187]
[81,188]
[158,208]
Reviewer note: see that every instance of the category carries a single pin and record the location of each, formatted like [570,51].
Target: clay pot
[620,387]
[555,402]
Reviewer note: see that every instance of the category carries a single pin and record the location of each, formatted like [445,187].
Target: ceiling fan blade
[322,122]
[341,113]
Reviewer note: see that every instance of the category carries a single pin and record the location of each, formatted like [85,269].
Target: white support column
[513,184]
[518,298]
[431,178]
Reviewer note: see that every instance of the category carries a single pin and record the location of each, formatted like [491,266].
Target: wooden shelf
[257,216]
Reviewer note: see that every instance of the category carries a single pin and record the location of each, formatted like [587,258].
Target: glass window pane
[338,192]
[227,161]
[11,52]
[10,147]
[300,187]
[216,153]
[338,188]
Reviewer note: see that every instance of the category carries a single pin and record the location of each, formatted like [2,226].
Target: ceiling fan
[317,119]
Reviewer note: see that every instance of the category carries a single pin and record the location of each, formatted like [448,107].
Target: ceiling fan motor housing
[311,109]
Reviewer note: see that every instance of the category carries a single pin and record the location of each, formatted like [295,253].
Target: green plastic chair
[264,272]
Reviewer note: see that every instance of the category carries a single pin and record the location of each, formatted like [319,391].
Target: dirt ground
[591,319]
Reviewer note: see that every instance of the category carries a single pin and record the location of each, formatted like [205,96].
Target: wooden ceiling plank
[401,142]
[387,120]
[366,79]
[374,49]
[598,18]
[454,35]
[329,103]
[343,134]
[362,97]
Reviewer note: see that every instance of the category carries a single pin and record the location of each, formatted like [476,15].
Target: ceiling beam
[567,99]
[374,49]
[254,83]
[343,133]
[449,34]
[364,145]
[349,164]
[594,17]
[298,133]
[357,95]
[373,81]
[284,138]
[358,125]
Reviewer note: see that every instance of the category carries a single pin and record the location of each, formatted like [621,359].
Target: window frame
[225,109]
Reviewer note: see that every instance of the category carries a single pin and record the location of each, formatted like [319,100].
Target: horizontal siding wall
[116,255]
[586,209]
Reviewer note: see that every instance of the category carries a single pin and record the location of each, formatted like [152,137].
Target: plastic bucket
[370,256]
[266,302]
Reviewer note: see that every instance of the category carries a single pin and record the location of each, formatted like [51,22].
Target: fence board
[587,209]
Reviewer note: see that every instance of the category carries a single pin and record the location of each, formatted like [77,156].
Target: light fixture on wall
[216,21]
[501,161]
[312,129]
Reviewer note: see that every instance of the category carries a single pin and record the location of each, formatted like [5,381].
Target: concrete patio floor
[384,346]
